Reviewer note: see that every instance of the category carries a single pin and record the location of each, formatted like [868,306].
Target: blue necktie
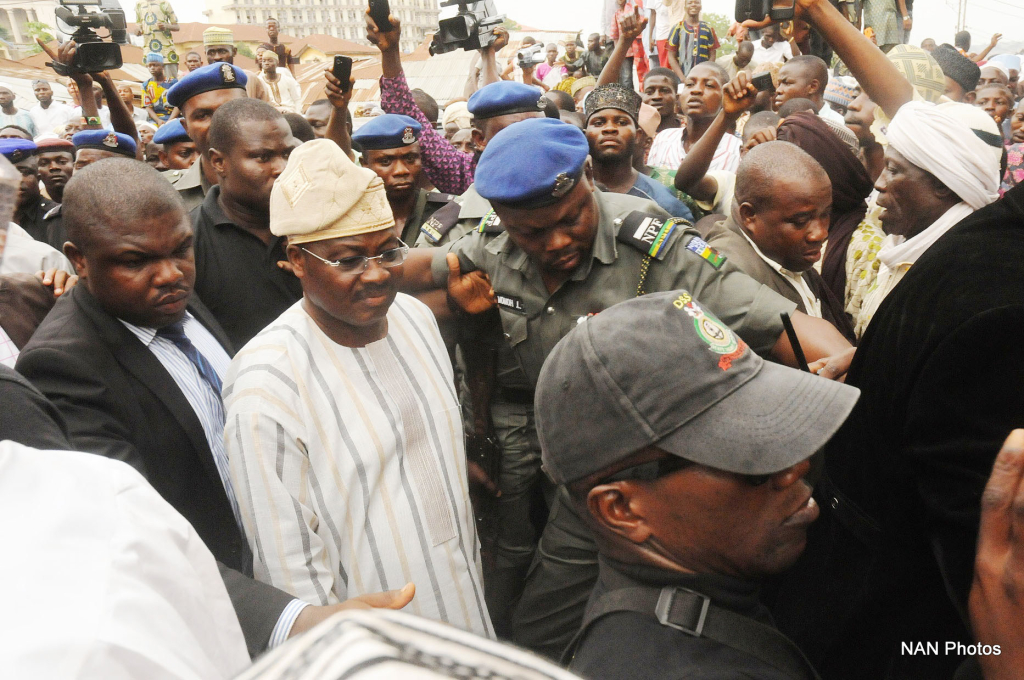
[175,332]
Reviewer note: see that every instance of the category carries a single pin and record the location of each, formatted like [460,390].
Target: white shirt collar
[811,302]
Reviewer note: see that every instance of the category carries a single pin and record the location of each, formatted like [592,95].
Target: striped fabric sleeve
[284,624]
[269,469]
[448,169]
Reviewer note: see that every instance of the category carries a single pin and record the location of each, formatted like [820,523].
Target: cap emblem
[541,103]
[563,185]
[719,338]
[227,74]
[110,140]
[408,137]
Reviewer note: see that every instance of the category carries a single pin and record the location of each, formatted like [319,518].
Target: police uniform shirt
[31,218]
[237,276]
[191,184]
[56,234]
[535,320]
[632,646]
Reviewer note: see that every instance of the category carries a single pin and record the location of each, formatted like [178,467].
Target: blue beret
[219,76]
[105,140]
[505,97]
[389,131]
[16,149]
[532,164]
[170,133]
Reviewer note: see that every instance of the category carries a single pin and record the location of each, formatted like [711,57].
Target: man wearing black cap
[961,73]
[56,161]
[692,480]
[569,251]
[197,96]
[611,113]
[390,149]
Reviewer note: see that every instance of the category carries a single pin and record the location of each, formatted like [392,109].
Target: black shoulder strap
[650,234]
[437,226]
[695,614]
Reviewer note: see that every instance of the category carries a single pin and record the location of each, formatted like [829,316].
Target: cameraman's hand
[65,55]
[386,41]
[500,39]
[631,26]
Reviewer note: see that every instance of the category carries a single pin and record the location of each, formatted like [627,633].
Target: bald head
[803,76]
[766,164]
[114,193]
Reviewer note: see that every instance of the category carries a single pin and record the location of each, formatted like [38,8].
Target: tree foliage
[721,24]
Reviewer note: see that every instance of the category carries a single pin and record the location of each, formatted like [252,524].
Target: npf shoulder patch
[650,234]
[700,248]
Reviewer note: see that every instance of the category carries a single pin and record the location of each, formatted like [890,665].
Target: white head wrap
[935,138]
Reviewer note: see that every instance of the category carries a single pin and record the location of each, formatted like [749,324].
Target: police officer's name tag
[649,234]
[511,303]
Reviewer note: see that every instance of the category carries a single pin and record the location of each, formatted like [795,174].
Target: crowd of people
[671,355]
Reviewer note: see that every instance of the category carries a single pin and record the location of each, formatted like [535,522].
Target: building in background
[19,18]
[337,18]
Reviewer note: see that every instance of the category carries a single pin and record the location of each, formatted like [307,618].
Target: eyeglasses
[357,264]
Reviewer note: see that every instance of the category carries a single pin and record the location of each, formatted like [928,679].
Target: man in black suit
[155,406]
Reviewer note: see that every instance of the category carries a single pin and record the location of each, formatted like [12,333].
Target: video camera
[94,54]
[531,56]
[470,29]
[757,10]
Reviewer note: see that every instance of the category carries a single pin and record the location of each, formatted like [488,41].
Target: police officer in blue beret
[198,95]
[30,206]
[94,145]
[390,149]
[178,151]
[569,250]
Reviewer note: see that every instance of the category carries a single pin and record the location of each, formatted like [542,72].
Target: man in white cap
[343,427]
[942,164]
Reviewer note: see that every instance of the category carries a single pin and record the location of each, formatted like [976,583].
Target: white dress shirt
[812,305]
[209,409]
[103,578]
[780,51]
[49,119]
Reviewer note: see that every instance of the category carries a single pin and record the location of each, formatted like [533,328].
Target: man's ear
[78,260]
[611,506]
[588,169]
[970,97]
[748,216]
[217,160]
[478,138]
[297,258]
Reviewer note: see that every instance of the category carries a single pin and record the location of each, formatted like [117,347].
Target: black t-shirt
[632,646]
[237,276]
[940,369]
[31,220]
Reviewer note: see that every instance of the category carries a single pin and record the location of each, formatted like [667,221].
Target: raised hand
[738,95]
[384,40]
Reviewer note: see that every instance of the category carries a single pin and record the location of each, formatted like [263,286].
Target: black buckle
[667,601]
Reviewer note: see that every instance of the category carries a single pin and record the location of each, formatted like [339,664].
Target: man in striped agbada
[343,427]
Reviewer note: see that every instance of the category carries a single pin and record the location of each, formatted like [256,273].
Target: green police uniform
[511,410]
[191,185]
[638,248]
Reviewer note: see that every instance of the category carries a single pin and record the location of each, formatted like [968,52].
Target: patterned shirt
[149,13]
[154,95]
[447,168]
[693,44]
[350,465]
[628,9]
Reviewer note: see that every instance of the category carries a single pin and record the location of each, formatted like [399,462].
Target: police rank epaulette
[490,224]
[438,197]
[650,234]
[437,226]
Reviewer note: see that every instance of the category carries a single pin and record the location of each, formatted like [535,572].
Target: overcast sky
[934,18]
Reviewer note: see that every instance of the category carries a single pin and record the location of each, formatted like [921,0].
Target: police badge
[110,140]
[227,74]
[408,137]
[563,185]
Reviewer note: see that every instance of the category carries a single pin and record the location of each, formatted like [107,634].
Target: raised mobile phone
[343,71]
[762,81]
[380,10]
